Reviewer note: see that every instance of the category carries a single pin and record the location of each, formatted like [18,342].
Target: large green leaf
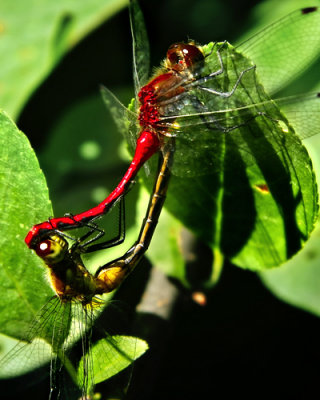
[24,200]
[255,200]
[297,282]
[112,355]
[34,36]
[261,206]
[22,273]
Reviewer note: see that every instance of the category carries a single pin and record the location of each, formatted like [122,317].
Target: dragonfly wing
[303,113]
[45,336]
[24,358]
[215,118]
[285,49]
[205,122]
[140,47]
[125,120]
[257,181]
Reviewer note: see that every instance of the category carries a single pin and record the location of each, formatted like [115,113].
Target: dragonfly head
[184,56]
[52,249]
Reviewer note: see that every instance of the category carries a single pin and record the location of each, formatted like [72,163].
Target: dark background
[245,342]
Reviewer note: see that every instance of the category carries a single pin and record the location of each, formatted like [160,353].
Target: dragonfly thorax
[157,98]
[71,280]
[153,98]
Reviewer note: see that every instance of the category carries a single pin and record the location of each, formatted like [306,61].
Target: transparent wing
[303,113]
[247,123]
[285,49]
[254,180]
[125,120]
[39,345]
[140,47]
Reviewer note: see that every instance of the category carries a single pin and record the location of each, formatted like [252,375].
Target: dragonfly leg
[60,232]
[82,242]
[221,69]
[198,82]
[213,123]
[104,245]
[251,118]
[204,79]
[212,74]
[88,247]
[230,93]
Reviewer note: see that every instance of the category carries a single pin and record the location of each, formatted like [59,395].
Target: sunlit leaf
[35,34]
[244,180]
[112,355]
[24,200]
[298,281]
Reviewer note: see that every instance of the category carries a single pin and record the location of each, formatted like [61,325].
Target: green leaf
[298,281]
[35,34]
[255,200]
[112,355]
[262,206]
[24,200]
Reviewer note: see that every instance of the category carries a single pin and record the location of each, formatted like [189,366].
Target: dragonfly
[210,100]
[78,300]
[202,103]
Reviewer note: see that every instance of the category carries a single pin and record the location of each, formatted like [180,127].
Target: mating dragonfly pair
[206,109]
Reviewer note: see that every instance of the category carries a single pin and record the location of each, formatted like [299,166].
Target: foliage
[81,162]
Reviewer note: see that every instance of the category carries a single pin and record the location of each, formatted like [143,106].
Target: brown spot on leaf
[263,188]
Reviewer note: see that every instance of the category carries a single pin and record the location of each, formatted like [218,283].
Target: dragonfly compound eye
[182,56]
[53,249]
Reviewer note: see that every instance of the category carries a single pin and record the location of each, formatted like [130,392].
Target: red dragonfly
[191,100]
[173,103]
[71,313]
